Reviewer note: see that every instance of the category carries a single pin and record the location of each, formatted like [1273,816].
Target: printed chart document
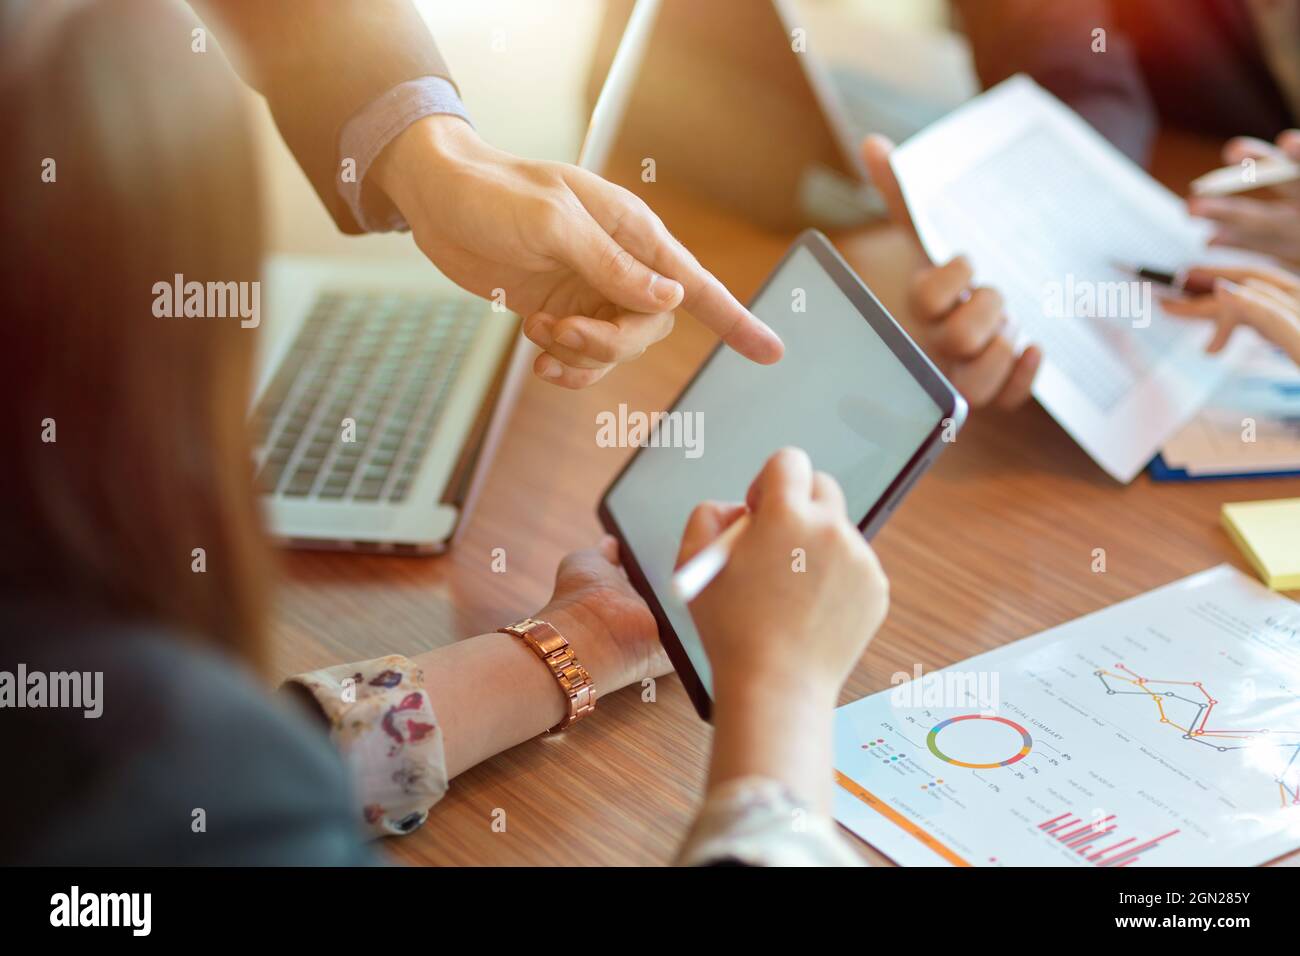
[1045,208]
[1162,731]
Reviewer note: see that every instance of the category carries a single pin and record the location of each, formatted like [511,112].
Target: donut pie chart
[1024,743]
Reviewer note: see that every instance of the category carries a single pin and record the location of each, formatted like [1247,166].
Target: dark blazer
[318,62]
[1196,64]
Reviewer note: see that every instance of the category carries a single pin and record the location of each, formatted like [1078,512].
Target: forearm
[491,692]
[769,795]
[781,732]
[320,63]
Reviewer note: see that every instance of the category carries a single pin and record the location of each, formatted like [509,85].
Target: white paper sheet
[1162,731]
[1044,207]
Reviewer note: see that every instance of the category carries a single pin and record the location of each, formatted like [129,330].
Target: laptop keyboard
[385,361]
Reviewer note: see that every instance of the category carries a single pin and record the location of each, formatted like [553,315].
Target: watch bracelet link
[544,640]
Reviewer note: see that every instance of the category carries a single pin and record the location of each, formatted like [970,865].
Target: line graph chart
[1187,706]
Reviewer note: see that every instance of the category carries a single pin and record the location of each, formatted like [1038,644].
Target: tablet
[852,390]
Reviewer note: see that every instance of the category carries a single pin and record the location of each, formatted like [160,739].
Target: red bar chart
[1098,841]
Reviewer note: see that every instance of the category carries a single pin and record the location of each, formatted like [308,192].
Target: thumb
[613,271]
[876,150]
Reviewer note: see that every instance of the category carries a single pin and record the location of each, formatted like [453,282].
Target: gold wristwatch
[575,683]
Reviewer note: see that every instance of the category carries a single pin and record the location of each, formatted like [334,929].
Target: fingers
[1289,142]
[1242,148]
[937,290]
[707,521]
[630,226]
[582,342]
[584,244]
[785,481]
[1242,214]
[553,371]
[1197,307]
[1019,385]
[1273,315]
[965,330]
[826,491]
[1266,298]
[1253,302]
[1248,147]
[1250,306]
[1270,310]
[1205,276]
[1287,298]
[1269,226]
[1222,334]
[875,154]
[608,549]
[983,378]
[1277,246]
[968,329]
[709,301]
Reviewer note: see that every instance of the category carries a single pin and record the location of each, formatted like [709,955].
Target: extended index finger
[634,227]
[709,301]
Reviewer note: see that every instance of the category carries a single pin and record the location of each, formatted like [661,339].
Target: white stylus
[694,576]
[1232,179]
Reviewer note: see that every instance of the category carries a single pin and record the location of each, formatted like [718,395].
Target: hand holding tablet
[782,644]
[838,600]
[852,390]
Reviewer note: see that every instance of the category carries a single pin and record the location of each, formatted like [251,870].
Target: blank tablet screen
[839,393]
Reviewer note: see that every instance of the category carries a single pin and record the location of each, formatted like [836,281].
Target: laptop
[382,390]
[759,105]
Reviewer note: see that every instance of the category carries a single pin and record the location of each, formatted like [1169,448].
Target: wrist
[785,693]
[592,644]
[782,730]
[760,685]
[421,153]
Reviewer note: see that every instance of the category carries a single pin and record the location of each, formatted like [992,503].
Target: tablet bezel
[952,408]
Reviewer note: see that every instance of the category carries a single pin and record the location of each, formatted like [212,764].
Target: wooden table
[994,545]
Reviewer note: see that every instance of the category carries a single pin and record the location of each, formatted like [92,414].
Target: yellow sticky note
[1268,534]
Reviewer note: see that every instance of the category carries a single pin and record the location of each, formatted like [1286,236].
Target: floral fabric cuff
[756,821]
[382,722]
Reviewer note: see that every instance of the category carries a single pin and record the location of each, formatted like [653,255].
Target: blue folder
[1159,471]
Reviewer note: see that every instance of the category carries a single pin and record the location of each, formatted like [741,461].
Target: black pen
[1179,282]
[1174,280]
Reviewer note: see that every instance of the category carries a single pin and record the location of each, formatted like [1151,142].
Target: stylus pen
[1232,179]
[694,576]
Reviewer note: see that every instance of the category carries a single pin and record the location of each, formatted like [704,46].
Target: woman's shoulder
[149,749]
